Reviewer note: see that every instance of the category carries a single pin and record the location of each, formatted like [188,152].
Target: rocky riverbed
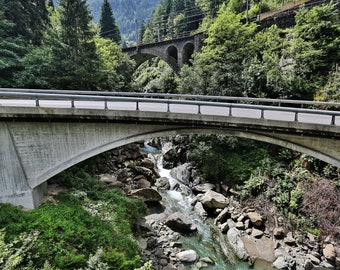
[242,232]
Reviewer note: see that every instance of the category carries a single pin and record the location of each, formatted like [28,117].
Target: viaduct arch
[175,53]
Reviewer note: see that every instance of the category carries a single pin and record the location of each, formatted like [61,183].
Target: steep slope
[125,13]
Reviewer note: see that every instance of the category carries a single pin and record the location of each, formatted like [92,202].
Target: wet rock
[187,256]
[147,194]
[213,199]
[162,183]
[182,173]
[200,210]
[255,218]
[179,222]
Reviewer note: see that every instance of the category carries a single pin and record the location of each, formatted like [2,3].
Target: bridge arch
[187,52]
[170,57]
[56,146]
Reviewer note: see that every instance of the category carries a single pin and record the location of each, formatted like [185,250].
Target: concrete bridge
[175,52]
[45,132]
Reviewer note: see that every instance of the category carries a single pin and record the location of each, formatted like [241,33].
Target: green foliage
[11,50]
[217,69]
[155,76]
[17,253]
[227,159]
[91,220]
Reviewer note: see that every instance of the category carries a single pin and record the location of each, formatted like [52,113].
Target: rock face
[213,199]
[147,194]
[179,222]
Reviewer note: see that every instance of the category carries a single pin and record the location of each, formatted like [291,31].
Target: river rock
[182,173]
[313,259]
[147,194]
[213,199]
[259,249]
[146,162]
[329,252]
[236,243]
[200,210]
[257,233]
[255,218]
[203,188]
[179,222]
[279,232]
[187,256]
[162,183]
[284,263]
[144,171]
[222,216]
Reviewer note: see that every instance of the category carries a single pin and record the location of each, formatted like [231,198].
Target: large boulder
[147,194]
[203,188]
[329,252]
[162,183]
[235,241]
[284,263]
[255,218]
[213,199]
[187,256]
[179,222]
[182,173]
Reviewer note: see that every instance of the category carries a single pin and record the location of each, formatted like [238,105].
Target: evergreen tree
[50,4]
[71,40]
[107,25]
[11,51]
[30,18]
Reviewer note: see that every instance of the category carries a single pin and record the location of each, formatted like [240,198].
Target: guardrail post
[262,113]
[72,103]
[137,106]
[168,108]
[230,113]
[105,104]
[333,120]
[37,102]
[296,118]
[199,109]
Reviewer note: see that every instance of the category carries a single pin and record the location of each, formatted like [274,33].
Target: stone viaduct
[39,142]
[175,52]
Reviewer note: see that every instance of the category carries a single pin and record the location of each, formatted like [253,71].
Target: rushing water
[205,241]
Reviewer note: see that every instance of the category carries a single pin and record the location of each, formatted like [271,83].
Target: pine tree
[50,4]
[73,50]
[107,25]
[11,51]
[30,18]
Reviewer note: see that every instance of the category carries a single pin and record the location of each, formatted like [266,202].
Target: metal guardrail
[169,99]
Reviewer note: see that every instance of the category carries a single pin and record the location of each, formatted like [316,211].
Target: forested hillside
[125,13]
